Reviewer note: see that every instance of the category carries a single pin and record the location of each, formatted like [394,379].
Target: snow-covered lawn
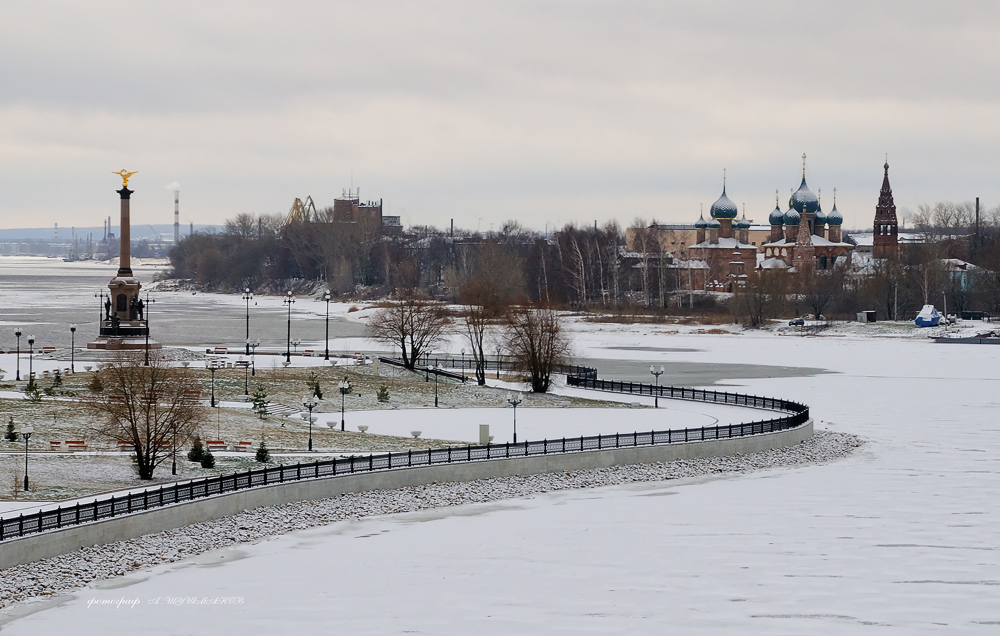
[903,538]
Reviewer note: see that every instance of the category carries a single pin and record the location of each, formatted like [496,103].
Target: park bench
[55,446]
[76,445]
[48,349]
[192,396]
[221,351]
[242,447]
[215,445]
[125,445]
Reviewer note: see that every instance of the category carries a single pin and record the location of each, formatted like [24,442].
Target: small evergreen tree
[313,384]
[197,451]
[260,401]
[95,385]
[382,395]
[263,454]
[11,434]
[57,379]
[208,460]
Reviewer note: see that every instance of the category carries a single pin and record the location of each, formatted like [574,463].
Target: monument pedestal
[124,325]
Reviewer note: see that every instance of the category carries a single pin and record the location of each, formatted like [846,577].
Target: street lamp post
[435,385]
[31,358]
[656,374]
[247,296]
[213,366]
[514,399]
[326,297]
[498,363]
[17,334]
[296,343]
[246,376]
[72,348]
[253,356]
[26,431]
[310,403]
[345,388]
[288,300]
[463,364]
[148,301]
[173,453]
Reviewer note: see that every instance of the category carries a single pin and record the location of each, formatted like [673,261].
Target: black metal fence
[113,506]
[441,365]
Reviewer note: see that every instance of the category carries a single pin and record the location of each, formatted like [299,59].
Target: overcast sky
[542,112]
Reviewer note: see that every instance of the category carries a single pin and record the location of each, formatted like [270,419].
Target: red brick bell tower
[885,231]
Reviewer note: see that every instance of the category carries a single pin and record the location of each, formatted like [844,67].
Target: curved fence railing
[105,508]
[441,366]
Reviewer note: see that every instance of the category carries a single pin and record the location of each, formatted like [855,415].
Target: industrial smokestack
[176,187]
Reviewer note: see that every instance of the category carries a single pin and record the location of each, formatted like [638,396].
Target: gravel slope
[75,570]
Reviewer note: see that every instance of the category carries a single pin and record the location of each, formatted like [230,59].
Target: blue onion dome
[835,217]
[803,200]
[792,217]
[743,224]
[821,216]
[777,217]
[713,224]
[700,224]
[723,208]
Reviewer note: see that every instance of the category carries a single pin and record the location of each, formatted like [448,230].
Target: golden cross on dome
[124,175]
[803,165]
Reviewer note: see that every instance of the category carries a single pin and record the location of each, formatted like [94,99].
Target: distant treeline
[574,266]
[586,267]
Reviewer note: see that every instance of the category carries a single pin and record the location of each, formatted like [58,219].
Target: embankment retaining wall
[49,544]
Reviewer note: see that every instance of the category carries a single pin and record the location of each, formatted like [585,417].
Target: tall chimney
[125,260]
[177,217]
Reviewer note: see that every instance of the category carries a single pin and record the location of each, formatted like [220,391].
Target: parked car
[796,322]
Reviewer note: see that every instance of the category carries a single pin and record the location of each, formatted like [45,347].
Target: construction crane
[302,212]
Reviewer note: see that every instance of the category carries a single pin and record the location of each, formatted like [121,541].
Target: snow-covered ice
[901,538]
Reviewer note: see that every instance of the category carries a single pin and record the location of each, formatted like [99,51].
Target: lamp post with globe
[326,297]
[345,388]
[26,431]
[17,334]
[514,399]
[248,296]
[310,403]
[289,300]
[72,348]
[656,374]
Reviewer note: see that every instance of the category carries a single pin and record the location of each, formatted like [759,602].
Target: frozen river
[903,538]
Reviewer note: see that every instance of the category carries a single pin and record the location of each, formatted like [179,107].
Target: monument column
[125,252]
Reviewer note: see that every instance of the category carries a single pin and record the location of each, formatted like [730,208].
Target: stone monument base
[112,343]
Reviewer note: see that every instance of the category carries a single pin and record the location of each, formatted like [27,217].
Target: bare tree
[536,340]
[150,407]
[760,298]
[820,289]
[497,282]
[412,323]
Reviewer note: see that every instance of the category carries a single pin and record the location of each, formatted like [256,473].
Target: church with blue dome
[802,237]
[722,242]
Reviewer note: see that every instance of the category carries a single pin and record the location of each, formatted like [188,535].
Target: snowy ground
[903,538]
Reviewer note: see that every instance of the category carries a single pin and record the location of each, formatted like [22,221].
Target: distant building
[799,236]
[349,209]
[886,230]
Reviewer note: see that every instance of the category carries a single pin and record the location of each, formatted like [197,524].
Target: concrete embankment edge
[57,542]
